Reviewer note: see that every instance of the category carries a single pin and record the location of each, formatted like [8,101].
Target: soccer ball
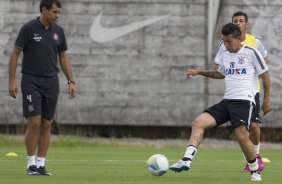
[157,165]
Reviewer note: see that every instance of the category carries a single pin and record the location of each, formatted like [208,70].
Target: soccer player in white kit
[240,65]
[241,19]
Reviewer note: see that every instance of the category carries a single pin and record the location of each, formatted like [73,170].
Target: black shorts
[256,117]
[238,112]
[39,95]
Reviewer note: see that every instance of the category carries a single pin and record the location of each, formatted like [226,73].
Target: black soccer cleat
[32,170]
[42,171]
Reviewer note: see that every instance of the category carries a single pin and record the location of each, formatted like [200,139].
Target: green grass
[77,161]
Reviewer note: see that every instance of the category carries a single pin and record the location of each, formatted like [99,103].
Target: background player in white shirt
[241,19]
[239,65]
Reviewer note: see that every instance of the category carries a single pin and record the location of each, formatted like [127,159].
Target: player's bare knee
[34,122]
[242,137]
[242,133]
[46,125]
[254,125]
[198,124]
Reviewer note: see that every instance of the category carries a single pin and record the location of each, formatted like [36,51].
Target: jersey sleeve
[22,38]
[221,69]
[260,48]
[220,50]
[63,43]
[259,63]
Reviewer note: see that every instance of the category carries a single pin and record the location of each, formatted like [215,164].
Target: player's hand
[13,91]
[266,108]
[190,73]
[72,91]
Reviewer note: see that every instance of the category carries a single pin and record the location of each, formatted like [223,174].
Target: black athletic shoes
[42,171]
[32,170]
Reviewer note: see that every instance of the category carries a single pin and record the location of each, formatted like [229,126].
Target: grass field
[73,161]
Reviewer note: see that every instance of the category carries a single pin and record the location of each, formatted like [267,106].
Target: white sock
[40,162]
[253,166]
[257,147]
[190,152]
[30,160]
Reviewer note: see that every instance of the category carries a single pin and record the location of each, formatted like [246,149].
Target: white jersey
[241,70]
[258,45]
[222,48]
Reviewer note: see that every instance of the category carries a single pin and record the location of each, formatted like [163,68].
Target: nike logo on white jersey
[101,34]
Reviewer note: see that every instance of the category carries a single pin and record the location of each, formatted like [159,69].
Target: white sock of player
[257,147]
[40,162]
[190,152]
[30,160]
[253,165]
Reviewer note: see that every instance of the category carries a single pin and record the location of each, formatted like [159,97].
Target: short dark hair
[231,29]
[48,4]
[240,13]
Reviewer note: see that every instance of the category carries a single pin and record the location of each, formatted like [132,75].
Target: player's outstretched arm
[266,107]
[207,73]
[190,73]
